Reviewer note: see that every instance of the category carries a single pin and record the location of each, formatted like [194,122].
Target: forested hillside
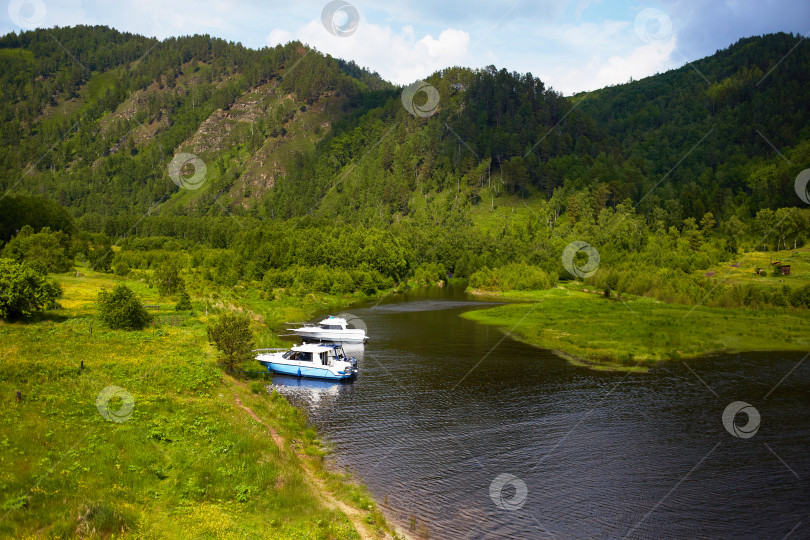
[91,116]
[678,171]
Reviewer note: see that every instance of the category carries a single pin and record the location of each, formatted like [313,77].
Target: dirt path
[318,486]
[276,437]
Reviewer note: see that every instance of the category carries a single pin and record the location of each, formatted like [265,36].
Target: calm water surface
[443,407]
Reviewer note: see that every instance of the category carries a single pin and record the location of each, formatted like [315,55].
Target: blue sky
[572,45]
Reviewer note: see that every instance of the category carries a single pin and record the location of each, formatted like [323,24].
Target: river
[461,432]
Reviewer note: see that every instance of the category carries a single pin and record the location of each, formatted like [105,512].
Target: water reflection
[310,393]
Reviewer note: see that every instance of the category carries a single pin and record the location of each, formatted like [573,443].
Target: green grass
[188,463]
[746,264]
[88,94]
[588,329]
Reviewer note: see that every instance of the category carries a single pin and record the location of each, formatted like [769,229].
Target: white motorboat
[334,329]
[318,360]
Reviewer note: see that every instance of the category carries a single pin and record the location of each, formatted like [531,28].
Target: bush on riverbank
[512,277]
[300,280]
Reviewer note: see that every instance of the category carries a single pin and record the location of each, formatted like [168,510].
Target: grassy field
[610,334]
[742,269]
[199,455]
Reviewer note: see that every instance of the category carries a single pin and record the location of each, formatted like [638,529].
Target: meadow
[633,333]
[172,450]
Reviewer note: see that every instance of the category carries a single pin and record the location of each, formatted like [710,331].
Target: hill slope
[94,122]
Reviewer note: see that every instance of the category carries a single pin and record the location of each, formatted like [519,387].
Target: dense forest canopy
[313,163]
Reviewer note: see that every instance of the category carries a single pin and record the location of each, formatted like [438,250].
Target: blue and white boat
[317,360]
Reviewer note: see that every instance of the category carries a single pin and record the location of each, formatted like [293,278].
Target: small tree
[23,290]
[232,336]
[184,303]
[167,278]
[121,309]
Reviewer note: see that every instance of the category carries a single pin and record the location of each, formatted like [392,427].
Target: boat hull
[318,334]
[313,372]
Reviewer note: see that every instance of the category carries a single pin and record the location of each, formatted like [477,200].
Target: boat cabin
[333,323]
[319,354]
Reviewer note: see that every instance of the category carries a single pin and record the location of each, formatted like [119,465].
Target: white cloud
[585,56]
[599,72]
[395,56]
[278,36]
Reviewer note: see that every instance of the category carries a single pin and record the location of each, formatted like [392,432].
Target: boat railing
[274,349]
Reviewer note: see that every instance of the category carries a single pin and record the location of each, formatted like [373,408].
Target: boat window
[304,357]
[331,327]
[289,355]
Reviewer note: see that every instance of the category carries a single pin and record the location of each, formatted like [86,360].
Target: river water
[461,432]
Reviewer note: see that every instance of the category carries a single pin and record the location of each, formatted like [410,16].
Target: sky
[571,45]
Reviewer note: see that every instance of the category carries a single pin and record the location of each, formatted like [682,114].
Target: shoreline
[320,474]
[634,334]
[226,455]
[393,529]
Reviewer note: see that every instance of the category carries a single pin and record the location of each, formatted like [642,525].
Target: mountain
[91,118]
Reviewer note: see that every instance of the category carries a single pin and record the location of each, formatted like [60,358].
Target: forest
[674,173]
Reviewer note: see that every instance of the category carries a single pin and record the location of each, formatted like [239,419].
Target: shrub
[232,336]
[102,519]
[184,303]
[121,268]
[278,278]
[515,276]
[23,290]
[801,297]
[121,309]
[429,274]
[485,279]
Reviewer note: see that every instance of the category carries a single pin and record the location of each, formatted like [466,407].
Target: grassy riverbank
[202,455]
[610,334]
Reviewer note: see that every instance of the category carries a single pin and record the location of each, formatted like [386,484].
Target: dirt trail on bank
[319,487]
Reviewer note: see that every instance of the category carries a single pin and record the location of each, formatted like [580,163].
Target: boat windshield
[298,355]
[331,327]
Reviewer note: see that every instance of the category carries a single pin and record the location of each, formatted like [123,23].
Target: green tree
[707,223]
[184,303]
[232,336]
[23,290]
[45,250]
[692,234]
[99,252]
[167,278]
[733,230]
[121,309]
[764,223]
